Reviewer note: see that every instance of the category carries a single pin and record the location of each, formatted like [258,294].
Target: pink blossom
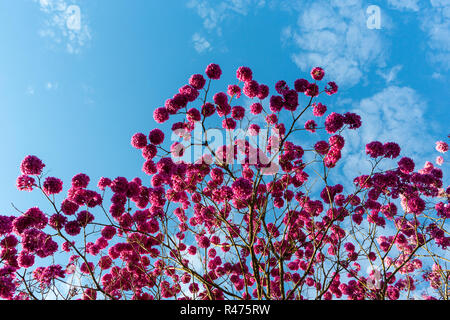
[244,74]
[213,71]
[317,73]
[31,165]
[441,146]
[156,136]
[197,81]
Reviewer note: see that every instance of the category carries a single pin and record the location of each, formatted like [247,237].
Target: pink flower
[251,88]
[312,90]
[271,119]
[31,165]
[439,160]
[263,91]
[208,109]
[244,74]
[229,124]
[242,188]
[80,180]
[119,185]
[391,150]
[336,141]
[256,108]
[213,71]
[375,149]
[331,88]
[149,167]
[72,228]
[441,146]
[254,129]
[234,90]
[105,262]
[317,73]
[281,87]
[301,85]
[393,293]
[87,268]
[103,183]
[203,242]
[149,151]
[291,100]
[177,149]
[406,165]
[319,109]
[193,115]
[322,147]
[192,250]
[156,136]
[25,182]
[139,140]
[237,112]
[25,259]
[84,218]
[189,92]
[311,126]
[161,115]
[57,221]
[197,81]
[276,103]
[68,207]
[220,99]
[334,122]
[52,185]
[352,120]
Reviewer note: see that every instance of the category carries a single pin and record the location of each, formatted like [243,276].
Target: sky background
[74,97]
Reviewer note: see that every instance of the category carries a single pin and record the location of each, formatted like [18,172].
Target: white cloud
[200,43]
[396,114]
[436,24]
[65,24]
[391,74]
[215,12]
[405,4]
[51,85]
[334,35]
[437,75]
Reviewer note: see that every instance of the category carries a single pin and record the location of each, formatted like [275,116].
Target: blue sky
[75,97]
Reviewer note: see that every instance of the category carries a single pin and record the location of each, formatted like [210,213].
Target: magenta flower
[441,146]
[319,109]
[197,81]
[156,136]
[311,126]
[213,71]
[31,165]
[139,140]
[317,73]
[80,180]
[334,122]
[256,108]
[331,88]
[52,185]
[251,88]
[161,115]
[301,85]
[244,74]
[25,183]
[242,188]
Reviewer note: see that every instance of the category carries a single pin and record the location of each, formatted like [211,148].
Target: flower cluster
[244,220]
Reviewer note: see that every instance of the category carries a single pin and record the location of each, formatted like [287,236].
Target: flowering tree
[256,216]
